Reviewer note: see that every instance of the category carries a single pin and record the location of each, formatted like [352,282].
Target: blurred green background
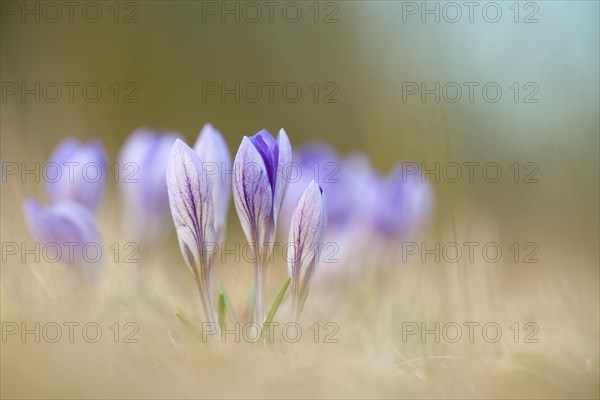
[365,52]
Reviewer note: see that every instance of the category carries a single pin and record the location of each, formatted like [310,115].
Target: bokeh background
[366,50]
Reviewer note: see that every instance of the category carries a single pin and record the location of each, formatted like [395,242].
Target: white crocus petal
[213,150]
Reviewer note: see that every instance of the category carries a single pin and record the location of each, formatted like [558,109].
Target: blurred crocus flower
[346,182]
[69,233]
[190,197]
[400,204]
[320,162]
[258,190]
[216,158]
[142,178]
[305,242]
[81,175]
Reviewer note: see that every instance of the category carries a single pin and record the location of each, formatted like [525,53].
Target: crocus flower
[142,178]
[213,150]
[81,173]
[400,203]
[258,190]
[69,231]
[306,240]
[190,197]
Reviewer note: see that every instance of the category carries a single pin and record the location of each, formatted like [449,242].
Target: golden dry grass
[370,361]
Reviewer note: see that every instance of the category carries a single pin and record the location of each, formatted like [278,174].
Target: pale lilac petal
[403,203]
[83,169]
[213,150]
[306,239]
[252,193]
[284,159]
[191,206]
[315,152]
[142,178]
[64,150]
[305,160]
[72,227]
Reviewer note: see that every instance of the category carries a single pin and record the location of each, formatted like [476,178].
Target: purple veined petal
[267,148]
[213,150]
[284,159]
[290,200]
[142,180]
[82,173]
[257,193]
[252,193]
[191,206]
[69,227]
[307,231]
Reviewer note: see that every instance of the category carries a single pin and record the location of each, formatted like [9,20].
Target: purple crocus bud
[69,233]
[83,169]
[258,190]
[306,240]
[213,150]
[142,178]
[401,203]
[190,197]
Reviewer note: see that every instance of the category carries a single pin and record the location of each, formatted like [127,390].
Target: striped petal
[191,206]
[306,240]
[252,193]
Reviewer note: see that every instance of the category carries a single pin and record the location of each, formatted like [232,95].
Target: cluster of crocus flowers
[199,209]
[160,173]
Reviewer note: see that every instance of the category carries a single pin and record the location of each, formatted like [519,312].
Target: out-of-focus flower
[190,197]
[320,162]
[361,205]
[142,178]
[68,232]
[401,203]
[346,182]
[258,190]
[81,173]
[216,158]
[305,242]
